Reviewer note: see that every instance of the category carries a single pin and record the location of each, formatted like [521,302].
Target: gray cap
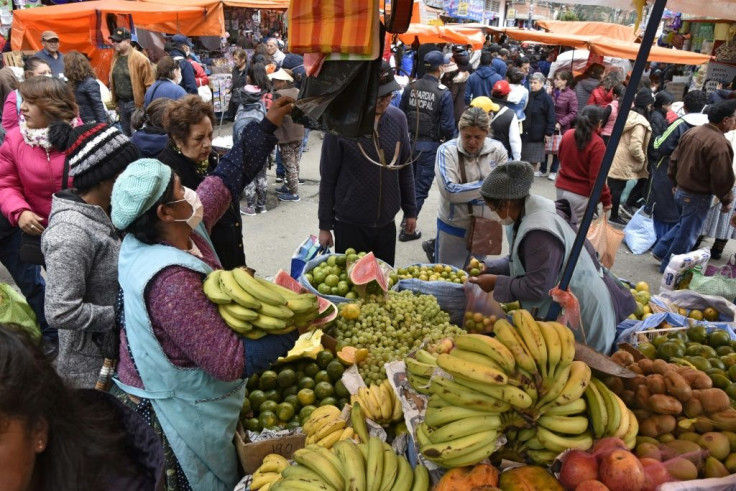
[512,180]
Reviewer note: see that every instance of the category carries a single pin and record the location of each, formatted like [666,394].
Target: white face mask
[191,197]
[503,221]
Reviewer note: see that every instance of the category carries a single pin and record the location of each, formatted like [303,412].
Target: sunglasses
[51,41]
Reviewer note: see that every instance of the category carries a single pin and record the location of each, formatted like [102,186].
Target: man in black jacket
[178,53]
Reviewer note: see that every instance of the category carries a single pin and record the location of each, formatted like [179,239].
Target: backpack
[247,113]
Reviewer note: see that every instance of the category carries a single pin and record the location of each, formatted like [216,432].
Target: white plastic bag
[639,233]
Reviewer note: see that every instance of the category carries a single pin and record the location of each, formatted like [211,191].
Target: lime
[732,373]
[334,291]
[253,424]
[286,378]
[305,412]
[311,369]
[648,350]
[669,350]
[322,376]
[350,251]
[708,352]
[268,380]
[319,276]
[306,397]
[343,288]
[693,349]
[324,358]
[659,340]
[334,370]
[699,362]
[719,338]
[340,390]
[720,381]
[716,371]
[309,278]
[293,400]
[724,350]
[285,411]
[332,280]
[292,425]
[268,406]
[256,398]
[273,395]
[289,391]
[731,391]
[306,383]
[331,260]
[246,408]
[717,363]
[324,289]
[323,390]
[341,402]
[328,401]
[253,381]
[268,419]
[341,260]
[351,296]
[729,360]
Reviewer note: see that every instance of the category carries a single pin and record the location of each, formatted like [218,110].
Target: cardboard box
[251,455]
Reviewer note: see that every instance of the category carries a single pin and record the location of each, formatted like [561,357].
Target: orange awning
[441,34]
[572,40]
[613,31]
[258,4]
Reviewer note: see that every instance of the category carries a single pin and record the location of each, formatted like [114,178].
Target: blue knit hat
[137,189]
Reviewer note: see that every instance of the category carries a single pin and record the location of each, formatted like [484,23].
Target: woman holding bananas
[181,366]
[540,243]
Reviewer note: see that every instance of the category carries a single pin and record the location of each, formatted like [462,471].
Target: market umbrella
[719,9]
[440,34]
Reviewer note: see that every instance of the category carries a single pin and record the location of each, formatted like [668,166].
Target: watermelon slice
[327,309]
[368,269]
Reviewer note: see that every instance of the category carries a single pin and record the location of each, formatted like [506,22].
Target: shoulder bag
[484,236]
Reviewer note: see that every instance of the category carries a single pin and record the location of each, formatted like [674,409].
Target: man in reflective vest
[430,116]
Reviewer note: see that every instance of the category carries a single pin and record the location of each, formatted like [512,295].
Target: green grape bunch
[390,327]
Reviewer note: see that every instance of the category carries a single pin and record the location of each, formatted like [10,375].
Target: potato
[657,425]
[682,369]
[655,383]
[712,400]
[628,397]
[642,414]
[678,387]
[704,425]
[698,379]
[635,368]
[615,384]
[664,404]
[693,408]
[661,367]
[645,365]
[641,396]
[633,383]
[623,358]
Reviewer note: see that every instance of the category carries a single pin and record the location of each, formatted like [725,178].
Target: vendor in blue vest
[181,366]
[540,244]
[430,115]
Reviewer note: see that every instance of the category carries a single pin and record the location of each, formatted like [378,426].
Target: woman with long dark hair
[83,81]
[32,67]
[581,154]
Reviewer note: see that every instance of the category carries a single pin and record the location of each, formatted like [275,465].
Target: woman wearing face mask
[189,153]
[474,155]
[180,365]
[32,67]
[167,85]
[540,244]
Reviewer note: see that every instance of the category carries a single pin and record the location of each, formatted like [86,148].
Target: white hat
[280,74]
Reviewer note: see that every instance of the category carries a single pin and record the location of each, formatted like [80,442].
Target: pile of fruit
[390,326]
[254,307]
[347,465]
[433,272]
[287,394]
[713,353]
[642,296]
[678,408]
[479,322]
[331,277]
[524,384]
[379,403]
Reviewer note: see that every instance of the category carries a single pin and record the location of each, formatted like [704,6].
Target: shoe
[552,176]
[248,210]
[261,209]
[539,173]
[618,221]
[626,211]
[428,248]
[279,179]
[287,197]
[404,237]
[301,181]
[305,149]
[281,190]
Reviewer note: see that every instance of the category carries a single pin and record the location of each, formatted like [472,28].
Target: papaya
[528,478]
[463,478]
[352,356]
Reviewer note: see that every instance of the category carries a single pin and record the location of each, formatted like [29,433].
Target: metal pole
[618,129]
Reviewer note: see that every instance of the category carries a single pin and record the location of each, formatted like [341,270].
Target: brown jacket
[702,163]
[289,131]
[141,75]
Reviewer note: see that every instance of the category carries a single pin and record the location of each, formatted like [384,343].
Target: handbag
[30,245]
[553,144]
[484,236]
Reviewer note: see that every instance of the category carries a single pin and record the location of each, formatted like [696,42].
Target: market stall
[441,34]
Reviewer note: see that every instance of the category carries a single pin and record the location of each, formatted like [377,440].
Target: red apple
[578,466]
[592,485]
[604,446]
[656,474]
[621,470]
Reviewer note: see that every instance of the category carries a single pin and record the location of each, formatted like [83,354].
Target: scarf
[39,137]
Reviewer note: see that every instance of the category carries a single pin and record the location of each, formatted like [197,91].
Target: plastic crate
[649,335]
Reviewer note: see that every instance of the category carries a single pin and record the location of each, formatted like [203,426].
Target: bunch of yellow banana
[269,472]
[325,427]
[254,307]
[608,414]
[379,403]
[370,466]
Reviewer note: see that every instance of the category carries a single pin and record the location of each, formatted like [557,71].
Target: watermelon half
[366,270]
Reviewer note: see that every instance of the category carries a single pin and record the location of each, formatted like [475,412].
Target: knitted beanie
[137,189]
[95,152]
[644,97]
[512,180]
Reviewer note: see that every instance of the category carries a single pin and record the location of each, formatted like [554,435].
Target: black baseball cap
[120,34]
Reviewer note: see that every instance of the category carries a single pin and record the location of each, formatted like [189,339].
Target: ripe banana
[319,417]
[578,380]
[490,347]
[212,289]
[255,334]
[425,356]
[461,396]
[384,393]
[268,323]
[613,410]
[506,333]
[476,358]
[236,292]
[542,457]
[334,463]
[320,464]
[421,478]
[442,416]
[575,407]
[299,472]
[238,311]
[506,393]
[276,311]
[353,465]
[301,484]
[331,438]
[260,291]
[554,346]
[404,477]
[623,426]
[449,450]
[558,443]
[629,437]
[397,412]
[347,434]
[358,421]
[418,368]
[567,339]
[273,463]
[470,370]
[464,427]
[597,412]
[374,464]
[331,426]
[261,480]
[530,333]
[551,388]
[568,425]
[390,467]
[237,325]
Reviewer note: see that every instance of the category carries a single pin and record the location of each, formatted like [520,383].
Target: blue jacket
[480,83]
[188,81]
[150,141]
[500,66]
[163,88]
[89,100]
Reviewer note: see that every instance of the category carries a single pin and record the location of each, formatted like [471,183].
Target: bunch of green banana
[371,466]
[608,414]
[379,403]
[254,307]
[325,427]
[419,369]
[269,472]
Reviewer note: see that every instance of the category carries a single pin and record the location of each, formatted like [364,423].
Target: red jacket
[28,177]
[600,97]
[579,169]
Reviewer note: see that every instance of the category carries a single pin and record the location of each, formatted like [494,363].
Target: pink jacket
[28,177]
[608,127]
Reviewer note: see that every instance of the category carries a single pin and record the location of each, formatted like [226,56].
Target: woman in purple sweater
[181,366]
[566,110]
